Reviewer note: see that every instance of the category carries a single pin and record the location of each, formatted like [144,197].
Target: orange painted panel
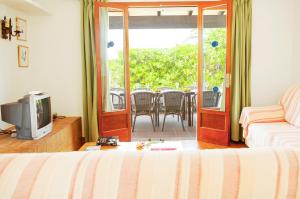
[115,122]
[213,136]
[212,121]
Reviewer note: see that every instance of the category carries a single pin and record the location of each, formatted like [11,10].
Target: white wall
[56,55]
[296,70]
[55,58]
[10,74]
[273,40]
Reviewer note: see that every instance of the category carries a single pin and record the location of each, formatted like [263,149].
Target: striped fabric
[281,134]
[292,113]
[286,99]
[206,174]
[265,114]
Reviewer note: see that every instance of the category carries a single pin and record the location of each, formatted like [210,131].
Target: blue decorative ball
[214,44]
[110,44]
[215,89]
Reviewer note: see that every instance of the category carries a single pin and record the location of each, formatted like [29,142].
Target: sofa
[217,173]
[274,126]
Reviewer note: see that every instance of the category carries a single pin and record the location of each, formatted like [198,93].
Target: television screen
[43,110]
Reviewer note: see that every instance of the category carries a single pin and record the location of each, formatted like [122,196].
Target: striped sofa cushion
[231,173]
[291,105]
[286,99]
[292,114]
[266,114]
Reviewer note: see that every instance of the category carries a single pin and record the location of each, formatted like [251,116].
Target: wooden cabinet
[65,136]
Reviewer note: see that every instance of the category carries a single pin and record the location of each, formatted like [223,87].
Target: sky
[148,38]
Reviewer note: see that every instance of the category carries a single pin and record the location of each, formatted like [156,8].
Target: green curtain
[89,75]
[241,63]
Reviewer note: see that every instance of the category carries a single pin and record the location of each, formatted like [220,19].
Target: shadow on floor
[173,130]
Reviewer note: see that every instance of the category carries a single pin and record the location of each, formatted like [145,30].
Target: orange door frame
[125,133]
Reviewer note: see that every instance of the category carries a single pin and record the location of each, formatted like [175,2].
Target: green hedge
[173,67]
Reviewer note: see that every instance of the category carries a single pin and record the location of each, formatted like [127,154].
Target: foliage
[172,67]
[215,58]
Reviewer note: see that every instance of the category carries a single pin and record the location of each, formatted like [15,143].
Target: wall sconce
[6,27]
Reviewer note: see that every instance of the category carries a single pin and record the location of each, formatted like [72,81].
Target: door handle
[227,80]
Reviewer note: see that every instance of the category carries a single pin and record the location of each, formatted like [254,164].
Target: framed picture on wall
[21,24]
[23,56]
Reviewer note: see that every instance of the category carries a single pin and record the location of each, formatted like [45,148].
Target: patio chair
[160,98]
[211,98]
[118,89]
[143,89]
[143,104]
[173,101]
[117,101]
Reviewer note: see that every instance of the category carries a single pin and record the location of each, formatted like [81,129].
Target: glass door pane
[214,58]
[112,59]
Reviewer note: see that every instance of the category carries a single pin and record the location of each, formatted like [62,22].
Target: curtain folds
[241,63]
[89,68]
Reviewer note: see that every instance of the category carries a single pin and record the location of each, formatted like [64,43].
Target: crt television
[31,115]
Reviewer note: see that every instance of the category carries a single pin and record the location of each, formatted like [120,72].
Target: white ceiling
[166,11]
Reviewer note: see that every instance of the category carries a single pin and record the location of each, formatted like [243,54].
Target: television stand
[65,136]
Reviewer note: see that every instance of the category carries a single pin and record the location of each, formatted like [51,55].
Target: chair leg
[164,123]
[152,123]
[134,123]
[192,118]
[182,123]
[158,119]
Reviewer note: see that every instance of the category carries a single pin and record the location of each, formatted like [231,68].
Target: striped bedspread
[265,114]
[206,174]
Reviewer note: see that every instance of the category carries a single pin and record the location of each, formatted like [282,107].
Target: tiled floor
[173,130]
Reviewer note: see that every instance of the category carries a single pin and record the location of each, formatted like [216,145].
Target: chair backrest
[211,98]
[117,89]
[143,89]
[143,100]
[173,100]
[117,101]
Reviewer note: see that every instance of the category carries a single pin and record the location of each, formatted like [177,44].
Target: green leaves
[159,67]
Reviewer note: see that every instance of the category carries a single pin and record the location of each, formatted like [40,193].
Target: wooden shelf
[29,7]
[65,136]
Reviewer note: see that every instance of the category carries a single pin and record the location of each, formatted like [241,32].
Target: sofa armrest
[264,114]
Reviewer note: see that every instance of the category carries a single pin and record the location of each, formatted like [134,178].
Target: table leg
[189,102]
[157,111]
